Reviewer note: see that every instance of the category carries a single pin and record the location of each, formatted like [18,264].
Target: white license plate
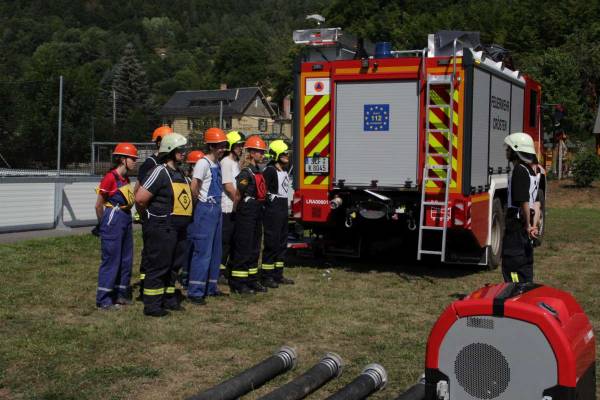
[316,165]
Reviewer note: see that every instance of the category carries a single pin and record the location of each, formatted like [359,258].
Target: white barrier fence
[47,202]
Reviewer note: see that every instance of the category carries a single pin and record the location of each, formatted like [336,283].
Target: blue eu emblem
[377,117]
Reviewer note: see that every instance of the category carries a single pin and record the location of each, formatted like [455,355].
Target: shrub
[586,168]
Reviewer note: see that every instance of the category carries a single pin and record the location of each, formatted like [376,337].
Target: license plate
[316,165]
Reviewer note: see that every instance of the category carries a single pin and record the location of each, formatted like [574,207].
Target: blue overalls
[116,236]
[206,239]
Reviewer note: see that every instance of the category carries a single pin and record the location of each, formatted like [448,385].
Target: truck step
[434,203]
[439,253]
[432,228]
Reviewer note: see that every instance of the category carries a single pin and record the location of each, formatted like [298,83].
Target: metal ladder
[448,81]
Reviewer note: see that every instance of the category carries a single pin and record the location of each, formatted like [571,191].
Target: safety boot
[161,312]
[257,287]
[269,282]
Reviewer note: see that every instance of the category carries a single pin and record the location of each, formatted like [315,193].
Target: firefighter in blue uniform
[206,230]
[148,164]
[275,218]
[251,194]
[166,199]
[520,230]
[113,210]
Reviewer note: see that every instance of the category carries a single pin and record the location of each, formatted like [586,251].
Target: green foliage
[586,168]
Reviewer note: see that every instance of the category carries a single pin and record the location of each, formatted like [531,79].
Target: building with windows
[247,110]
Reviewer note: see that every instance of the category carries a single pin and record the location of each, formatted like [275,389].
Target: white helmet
[523,145]
[171,142]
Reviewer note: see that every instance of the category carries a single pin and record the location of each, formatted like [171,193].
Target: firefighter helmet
[523,146]
[125,149]
[277,148]
[160,132]
[214,135]
[172,142]
[194,156]
[255,142]
[235,137]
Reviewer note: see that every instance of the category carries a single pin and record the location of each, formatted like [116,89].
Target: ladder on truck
[429,170]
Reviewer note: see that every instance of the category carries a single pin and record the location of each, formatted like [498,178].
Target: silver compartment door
[364,153]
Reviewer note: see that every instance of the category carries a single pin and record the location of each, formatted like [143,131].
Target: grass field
[55,345]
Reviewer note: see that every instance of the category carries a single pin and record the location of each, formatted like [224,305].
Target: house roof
[199,103]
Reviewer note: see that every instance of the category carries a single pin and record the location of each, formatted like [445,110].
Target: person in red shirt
[113,210]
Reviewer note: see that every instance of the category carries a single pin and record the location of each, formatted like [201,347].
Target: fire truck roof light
[318,36]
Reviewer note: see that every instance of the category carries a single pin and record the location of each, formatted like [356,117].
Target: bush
[586,168]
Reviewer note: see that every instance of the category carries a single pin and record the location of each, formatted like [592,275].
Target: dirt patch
[564,194]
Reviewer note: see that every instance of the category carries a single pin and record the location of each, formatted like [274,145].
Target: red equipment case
[512,342]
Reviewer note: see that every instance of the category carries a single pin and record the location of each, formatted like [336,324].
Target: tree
[129,84]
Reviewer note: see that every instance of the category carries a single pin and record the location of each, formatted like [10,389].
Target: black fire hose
[283,360]
[415,392]
[328,368]
[370,380]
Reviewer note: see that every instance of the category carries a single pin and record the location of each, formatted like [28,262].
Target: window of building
[262,125]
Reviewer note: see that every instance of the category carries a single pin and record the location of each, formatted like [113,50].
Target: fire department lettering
[317,202]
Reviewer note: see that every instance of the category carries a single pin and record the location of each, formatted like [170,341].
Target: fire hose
[282,361]
[325,370]
[415,392]
[370,380]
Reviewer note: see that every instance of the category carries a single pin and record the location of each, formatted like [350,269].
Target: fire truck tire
[497,231]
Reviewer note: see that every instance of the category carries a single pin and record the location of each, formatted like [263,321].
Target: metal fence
[101,157]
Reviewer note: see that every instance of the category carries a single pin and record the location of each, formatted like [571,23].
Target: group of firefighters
[200,224]
[209,220]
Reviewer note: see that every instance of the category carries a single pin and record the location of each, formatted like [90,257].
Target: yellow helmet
[235,137]
[277,148]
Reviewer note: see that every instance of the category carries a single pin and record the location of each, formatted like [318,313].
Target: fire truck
[406,147]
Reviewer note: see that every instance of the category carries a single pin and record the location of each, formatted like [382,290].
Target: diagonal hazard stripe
[322,126]
[322,145]
[310,179]
[307,99]
[323,101]
[316,120]
[308,149]
[322,180]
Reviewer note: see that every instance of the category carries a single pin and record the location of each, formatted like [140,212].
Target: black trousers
[227,237]
[144,257]
[247,235]
[166,252]
[517,253]
[275,223]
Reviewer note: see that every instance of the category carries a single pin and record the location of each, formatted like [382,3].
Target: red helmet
[194,156]
[214,135]
[125,149]
[161,131]
[255,142]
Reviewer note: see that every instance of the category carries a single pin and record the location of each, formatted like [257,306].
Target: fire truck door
[376,132]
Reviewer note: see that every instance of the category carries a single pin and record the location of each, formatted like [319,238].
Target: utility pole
[60,106]
[114,108]
[221,114]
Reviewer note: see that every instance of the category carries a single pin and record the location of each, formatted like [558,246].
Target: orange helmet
[125,149]
[214,135]
[194,156]
[161,131]
[255,142]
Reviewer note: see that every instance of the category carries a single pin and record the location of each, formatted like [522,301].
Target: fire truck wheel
[495,258]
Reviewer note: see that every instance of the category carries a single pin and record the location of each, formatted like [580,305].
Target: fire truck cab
[406,145]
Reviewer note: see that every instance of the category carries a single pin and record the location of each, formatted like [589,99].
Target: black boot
[269,282]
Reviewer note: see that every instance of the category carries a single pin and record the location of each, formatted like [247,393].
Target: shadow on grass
[407,268]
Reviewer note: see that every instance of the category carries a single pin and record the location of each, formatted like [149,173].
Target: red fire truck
[406,145]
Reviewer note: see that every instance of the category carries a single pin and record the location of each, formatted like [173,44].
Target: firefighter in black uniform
[520,232]
[275,218]
[250,195]
[166,199]
[148,164]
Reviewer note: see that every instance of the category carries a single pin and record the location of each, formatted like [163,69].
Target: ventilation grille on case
[482,371]
[475,322]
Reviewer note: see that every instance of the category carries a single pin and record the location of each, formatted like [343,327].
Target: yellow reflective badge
[127,194]
[182,199]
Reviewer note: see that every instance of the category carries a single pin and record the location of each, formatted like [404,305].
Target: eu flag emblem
[376,117]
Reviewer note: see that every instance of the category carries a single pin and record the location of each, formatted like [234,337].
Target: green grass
[55,345]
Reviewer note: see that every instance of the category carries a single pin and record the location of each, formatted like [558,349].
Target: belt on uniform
[210,200]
